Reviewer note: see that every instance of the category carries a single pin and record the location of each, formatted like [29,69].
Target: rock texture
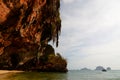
[26,27]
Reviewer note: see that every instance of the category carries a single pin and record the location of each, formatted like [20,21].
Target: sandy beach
[5,73]
[9,71]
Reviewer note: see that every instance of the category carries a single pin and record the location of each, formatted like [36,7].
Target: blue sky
[90,33]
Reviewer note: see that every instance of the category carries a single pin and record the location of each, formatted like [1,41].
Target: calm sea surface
[71,75]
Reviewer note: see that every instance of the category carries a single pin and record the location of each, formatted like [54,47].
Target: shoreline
[9,71]
[6,73]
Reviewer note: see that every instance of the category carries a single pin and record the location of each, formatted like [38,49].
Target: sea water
[70,75]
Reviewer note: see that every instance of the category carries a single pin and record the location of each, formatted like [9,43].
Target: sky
[90,34]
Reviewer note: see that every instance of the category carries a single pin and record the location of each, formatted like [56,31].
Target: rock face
[99,68]
[26,27]
[49,62]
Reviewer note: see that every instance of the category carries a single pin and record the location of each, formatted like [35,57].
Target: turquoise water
[71,75]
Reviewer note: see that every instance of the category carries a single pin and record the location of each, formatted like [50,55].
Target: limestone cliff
[26,27]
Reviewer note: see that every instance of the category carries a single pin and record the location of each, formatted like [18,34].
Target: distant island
[108,68]
[101,68]
[85,69]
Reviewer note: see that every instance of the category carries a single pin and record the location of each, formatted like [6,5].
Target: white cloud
[90,33]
